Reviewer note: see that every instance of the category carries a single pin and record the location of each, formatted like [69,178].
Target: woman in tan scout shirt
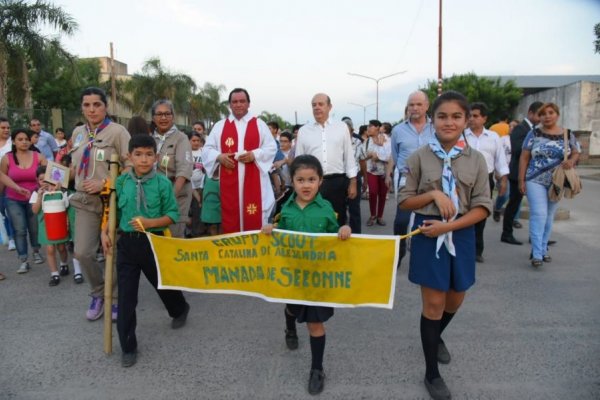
[93,144]
[174,159]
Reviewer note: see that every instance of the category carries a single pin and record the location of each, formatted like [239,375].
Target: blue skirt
[446,272]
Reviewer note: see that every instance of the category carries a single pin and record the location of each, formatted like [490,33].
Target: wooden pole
[440,51]
[109,263]
[113,83]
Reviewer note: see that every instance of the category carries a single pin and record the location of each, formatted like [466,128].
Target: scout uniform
[175,160]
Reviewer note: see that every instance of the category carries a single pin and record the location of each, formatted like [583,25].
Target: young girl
[36,206]
[60,137]
[196,142]
[307,211]
[447,187]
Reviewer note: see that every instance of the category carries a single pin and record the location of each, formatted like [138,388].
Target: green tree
[59,83]
[154,83]
[500,98]
[22,43]
[597,33]
[268,117]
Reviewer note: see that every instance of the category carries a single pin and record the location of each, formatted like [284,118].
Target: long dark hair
[13,135]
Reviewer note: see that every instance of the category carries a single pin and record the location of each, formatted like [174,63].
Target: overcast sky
[285,51]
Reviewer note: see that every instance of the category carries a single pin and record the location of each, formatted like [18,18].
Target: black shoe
[536,262]
[291,339]
[128,359]
[316,382]
[479,259]
[551,242]
[78,278]
[64,270]
[443,355]
[54,280]
[510,240]
[437,389]
[517,224]
[547,258]
[179,322]
[496,216]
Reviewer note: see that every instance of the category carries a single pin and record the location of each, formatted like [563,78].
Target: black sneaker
[179,322]
[54,280]
[291,339]
[128,359]
[64,270]
[437,389]
[316,382]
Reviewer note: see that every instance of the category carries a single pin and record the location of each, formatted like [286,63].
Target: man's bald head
[321,106]
[417,106]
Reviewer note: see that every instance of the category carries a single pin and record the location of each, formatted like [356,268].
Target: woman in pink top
[20,165]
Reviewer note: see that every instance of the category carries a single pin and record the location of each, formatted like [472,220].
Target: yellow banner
[284,267]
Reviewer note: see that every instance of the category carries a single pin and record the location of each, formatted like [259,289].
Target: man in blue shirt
[46,144]
[407,136]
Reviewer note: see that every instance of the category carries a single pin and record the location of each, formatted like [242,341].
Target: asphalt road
[521,334]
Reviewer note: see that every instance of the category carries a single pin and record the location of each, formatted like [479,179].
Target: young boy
[146,202]
[307,211]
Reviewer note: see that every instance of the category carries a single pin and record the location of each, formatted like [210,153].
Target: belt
[136,234]
[333,176]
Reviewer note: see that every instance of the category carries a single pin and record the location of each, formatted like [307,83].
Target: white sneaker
[100,257]
[23,268]
[11,245]
[37,258]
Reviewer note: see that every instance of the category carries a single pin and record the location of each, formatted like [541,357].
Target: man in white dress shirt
[489,144]
[244,149]
[330,142]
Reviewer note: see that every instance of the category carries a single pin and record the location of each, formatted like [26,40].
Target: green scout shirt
[160,200]
[317,217]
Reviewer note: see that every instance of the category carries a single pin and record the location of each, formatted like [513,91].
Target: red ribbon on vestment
[251,199]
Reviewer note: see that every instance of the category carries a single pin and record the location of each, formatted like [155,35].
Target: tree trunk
[3,78]
[27,99]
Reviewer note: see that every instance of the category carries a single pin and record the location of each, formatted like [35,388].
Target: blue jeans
[24,221]
[10,231]
[541,217]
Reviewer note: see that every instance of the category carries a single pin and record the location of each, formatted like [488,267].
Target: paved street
[521,334]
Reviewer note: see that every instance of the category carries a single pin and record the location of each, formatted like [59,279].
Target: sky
[283,52]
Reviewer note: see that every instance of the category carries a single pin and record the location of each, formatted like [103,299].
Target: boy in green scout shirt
[145,202]
[307,211]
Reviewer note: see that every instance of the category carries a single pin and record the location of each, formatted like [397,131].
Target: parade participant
[199,127]
[59,137]
[51,245]
[46,143]
[378,153]
[517,136]
[358,150]
[447,187]
[21,165]
[416,131]
[94,143]
[543,151]
[487,143]
[146,204]
[174,160]
[330,142]
[197,141]
[5,147]
[307,211]
[138,126]
[244,149]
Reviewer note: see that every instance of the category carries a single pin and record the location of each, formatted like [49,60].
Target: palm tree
[21,41]
[207,104]
[157,83]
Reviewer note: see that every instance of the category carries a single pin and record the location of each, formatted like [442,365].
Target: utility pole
[113,83]
[440,52]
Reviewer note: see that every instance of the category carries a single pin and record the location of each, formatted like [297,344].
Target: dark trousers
[335,190]
[134,255]
[480,226]
[401,228]
[514,201]
[354,208]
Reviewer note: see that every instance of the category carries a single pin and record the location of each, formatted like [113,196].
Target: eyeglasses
[165,115]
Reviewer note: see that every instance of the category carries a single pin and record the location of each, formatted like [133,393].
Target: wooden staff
[108,270]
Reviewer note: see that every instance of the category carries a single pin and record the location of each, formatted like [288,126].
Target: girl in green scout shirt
[447,187]
[145,202]
[307,211]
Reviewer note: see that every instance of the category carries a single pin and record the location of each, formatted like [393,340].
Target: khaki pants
[88,218]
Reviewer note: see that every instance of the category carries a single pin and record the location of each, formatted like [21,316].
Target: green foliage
[207,105]
[499,98]
[597,41]
[268,117]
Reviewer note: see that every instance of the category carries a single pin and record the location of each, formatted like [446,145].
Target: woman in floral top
[543,151]
[378,152]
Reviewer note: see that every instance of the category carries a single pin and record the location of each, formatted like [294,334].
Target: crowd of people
[243,174]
